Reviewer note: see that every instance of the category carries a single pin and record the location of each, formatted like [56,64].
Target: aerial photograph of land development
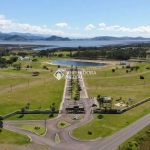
[74,75]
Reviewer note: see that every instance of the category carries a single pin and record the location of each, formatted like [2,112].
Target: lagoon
[76,63]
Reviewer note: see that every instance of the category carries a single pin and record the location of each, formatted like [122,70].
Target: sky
[76,18]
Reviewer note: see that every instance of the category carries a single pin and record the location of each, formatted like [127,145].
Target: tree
[113,70]
[35,73]
[17,66]
[1,125]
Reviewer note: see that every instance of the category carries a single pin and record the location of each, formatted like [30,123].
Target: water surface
[76,63]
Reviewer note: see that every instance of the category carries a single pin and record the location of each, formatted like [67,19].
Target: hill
[15,38]
[57,38]
[118,38]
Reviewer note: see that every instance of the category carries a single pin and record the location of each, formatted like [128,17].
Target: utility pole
[10,87]
[45,125]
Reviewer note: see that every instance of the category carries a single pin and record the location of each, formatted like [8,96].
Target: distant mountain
[15,38]
[118,38]
[57,38]
[3,36]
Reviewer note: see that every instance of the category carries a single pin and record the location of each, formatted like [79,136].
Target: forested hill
[57,38]
[118,38]
[15,38]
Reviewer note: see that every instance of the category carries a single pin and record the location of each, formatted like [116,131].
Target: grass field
[116,85]
[110,123]
[19,88]
[38,129]
[138,141]
[9,137]
[41,95]
[127,85]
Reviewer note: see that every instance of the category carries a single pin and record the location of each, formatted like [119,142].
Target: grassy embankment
[138,141]
[9,137]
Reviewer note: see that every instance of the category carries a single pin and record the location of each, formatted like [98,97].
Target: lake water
[76,63]
[86,43]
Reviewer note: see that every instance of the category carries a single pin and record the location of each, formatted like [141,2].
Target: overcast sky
[76,18]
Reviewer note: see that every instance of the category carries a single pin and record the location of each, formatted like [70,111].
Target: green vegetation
[63,124]
[57,139]
[42,99]
[116,85]
[75,86]
[9,137]
[32,117]
[38,129]
[138,141]
[110,123]
[121,84]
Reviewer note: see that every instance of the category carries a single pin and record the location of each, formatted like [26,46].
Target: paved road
[69,143]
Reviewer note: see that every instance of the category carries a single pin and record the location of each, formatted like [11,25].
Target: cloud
[61,25]
[76,28]
[44,26]
[7,25]
[89,27]
[102,25]
[141,29]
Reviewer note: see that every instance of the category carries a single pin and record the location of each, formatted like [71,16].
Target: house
[123,63]
[23,58]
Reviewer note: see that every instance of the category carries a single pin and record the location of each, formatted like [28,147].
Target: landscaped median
[110,123]
[38,129]
[63,124]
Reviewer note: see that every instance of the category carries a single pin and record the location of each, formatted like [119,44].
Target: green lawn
[110,123]
[9,137]
[63,124]
[57,139]
[40,95]
[38,129]
[116,85]
[32,117]
[138,141]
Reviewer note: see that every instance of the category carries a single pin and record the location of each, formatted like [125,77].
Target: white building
[23,58]
[123,63]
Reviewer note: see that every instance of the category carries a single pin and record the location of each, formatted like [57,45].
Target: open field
[110,123]
[49,90]
[20,87]
[124,85]
[138,141]
[116,85]
[41,95]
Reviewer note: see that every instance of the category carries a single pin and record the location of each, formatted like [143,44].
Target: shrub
[100,116]
[89,133]
[113,70]
[141,77]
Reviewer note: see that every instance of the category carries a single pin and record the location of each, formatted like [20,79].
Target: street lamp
[45,125]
